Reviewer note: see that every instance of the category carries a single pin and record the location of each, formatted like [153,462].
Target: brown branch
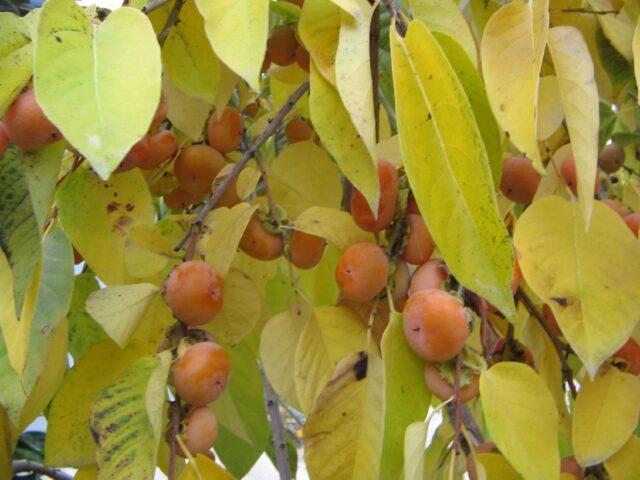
[24,466]
[171,21]
[582,10]
[279,439]
[374,46]
[153,5]
[401,27]
[237,168]
[175,430]
[557,345]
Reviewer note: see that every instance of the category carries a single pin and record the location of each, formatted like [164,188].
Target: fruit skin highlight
[362,272]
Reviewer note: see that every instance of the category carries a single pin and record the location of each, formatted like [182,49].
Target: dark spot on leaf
[58,39]
[507,134]
[112,207]
[129,207]
[123,221]
[560,301]
[360,367]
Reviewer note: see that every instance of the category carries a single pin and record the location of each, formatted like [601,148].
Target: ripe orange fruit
[569,174]
[136,155]
[4,139]
[197,167]
[282,45]
[200,432]
[420,245]
[161,146]
[180,199]
[201,374]
[259,243]
[412,206]
[611,158]
[225,132]
[443,390]
[570,465]
[435,325]
[230,196]
[251,110]
[297,130]
[428,276]
[630,353]
[400,278]
[519,180]
[302,58]
[193,291]
[633,222]
[26,124]
[305,249]
[362,271]
[362,214]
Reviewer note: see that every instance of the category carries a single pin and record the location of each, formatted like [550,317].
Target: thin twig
[23,466]
[470,423]
[401,27]
[153,5]
[557,345]
[173,445]
[582,10]
[171,21]
[279,440]
[237,168]
[456,402]
[374,46]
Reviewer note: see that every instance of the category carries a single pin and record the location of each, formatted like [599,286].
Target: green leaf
[448,169]
[343,431]
[19,232]
[84,331]
[127,419]
[404,385]
[99,86]
[608,120]
[97,216]
[119,309]
[414,440]
[522,419]
[16,57]
[238,30]
[618,69]
[242,418]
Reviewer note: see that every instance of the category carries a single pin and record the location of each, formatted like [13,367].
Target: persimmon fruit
[161,146]
[297,130]
[26,125]
[362,214]
[180,199]
[201,374]
[633,222]
[428,276]
[420,245]
[630,353]
[362,272]
[302,58]
[259,243]
[282,45]
[519,180]
[611,158]
[224,132]
[443,390]
[200,431]
[571,466]
[305,249]
[570,175]
[197,167]
[4,139]
[550,320]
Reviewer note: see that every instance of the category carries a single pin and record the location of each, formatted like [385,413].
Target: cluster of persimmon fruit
[284,49]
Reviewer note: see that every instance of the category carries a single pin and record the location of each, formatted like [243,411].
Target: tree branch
[557,345]
[153,5]
[237,168]
[279,440]
[401,27]
[171,21]
[23,466]
[173,445]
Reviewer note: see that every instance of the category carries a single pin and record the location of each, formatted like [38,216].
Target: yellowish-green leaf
[636,53]
[550,112]
[238,33]
[188,57]
[522,419]
[146,251]
[188,114]
[119,308]
[100,86]
[68,441]
[496,467]
[225,228]
[279,338]
[342,433]
[618,28]
[594,297]
[89,472]
[204,467]
[333,124]
[16,57]
[415,439]
[448,168]
[579,93]
[403,385]
[624,464]
[510,68]
[304,176]
[6,445]
[241,309]
[389,150]
[605,415]
[444,16]
[481,10]
[353,71]
[127,419]
[97,215]
[84,332]
[226,86]
[319,29]
[330,334]
[318,284]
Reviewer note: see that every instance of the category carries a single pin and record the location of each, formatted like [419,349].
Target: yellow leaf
[353,72]
[496,467]
[605,415]
[552,182]
[636,54]
[415,439]
[481,11]
[329,335]
[444,16]
[15,333]
[550,112]
[448,168]
[146,251]
[16,57]
[188,57]
[618,28]
[342,432]
[280,93]
[226,86]
[579,93]
[188,114]
[69,442]
[97,216]
[319,28]
[119,308]
[204,467]
[522,419]
[291,74]
[303,176]
[335,226]
[241,309]
[6,444]
[594,297]
[510,65]
[225,228]
[389,150]
[624,465]
[89,472]
[237,30]
[83,79]
[338,134]
[278,339]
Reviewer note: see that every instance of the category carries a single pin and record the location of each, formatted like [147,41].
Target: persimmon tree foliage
[237,228]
